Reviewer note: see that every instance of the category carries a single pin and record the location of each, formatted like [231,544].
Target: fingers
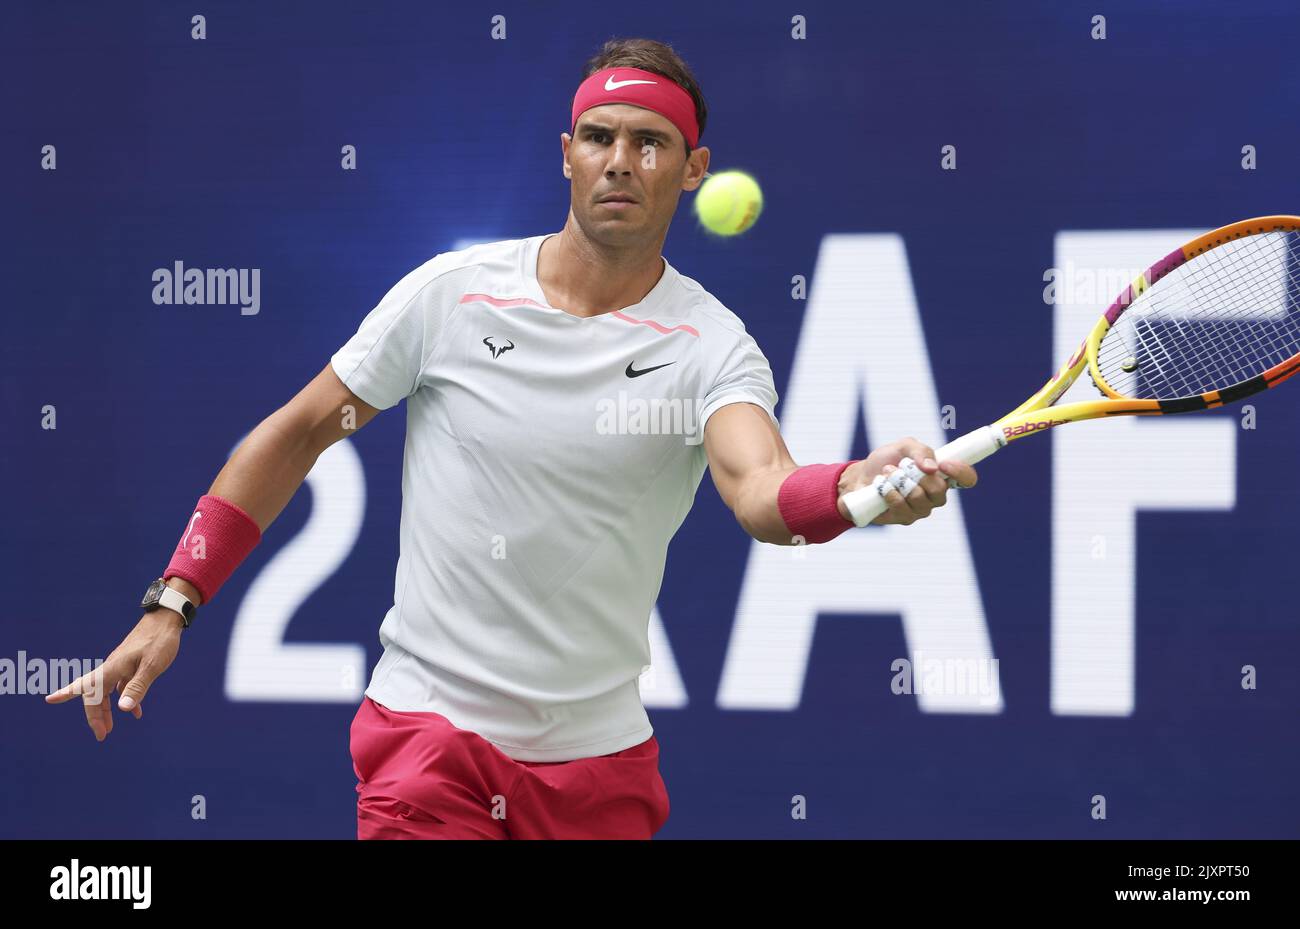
[919,452]
[901,507]
[100,719]
[912,482]
[95,689]
[99,716]
[64,694]
[934,484]
[136,688]
[137,711]
[960,472]
[953,474]
[920,498]
[913,490]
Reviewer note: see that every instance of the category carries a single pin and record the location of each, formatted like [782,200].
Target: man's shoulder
[501,256]
[707,313]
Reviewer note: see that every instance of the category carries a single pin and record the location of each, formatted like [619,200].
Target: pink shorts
[420,777]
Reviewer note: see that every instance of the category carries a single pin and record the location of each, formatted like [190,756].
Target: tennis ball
[728,203]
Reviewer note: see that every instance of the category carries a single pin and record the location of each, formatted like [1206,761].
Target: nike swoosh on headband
[611,84]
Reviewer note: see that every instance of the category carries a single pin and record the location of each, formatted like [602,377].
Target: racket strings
[1220,319]
[1245,287]
[1270,339]
[1241,338]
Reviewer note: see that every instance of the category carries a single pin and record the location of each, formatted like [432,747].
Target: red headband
[639,88]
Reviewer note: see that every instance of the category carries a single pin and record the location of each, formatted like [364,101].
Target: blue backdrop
[226,151]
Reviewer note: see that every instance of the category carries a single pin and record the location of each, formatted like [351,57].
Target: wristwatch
[160,595]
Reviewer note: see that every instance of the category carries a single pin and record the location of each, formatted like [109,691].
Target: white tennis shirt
[549,460]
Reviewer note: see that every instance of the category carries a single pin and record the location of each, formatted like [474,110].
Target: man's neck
[583,278]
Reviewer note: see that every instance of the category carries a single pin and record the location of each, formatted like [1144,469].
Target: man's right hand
[132,667]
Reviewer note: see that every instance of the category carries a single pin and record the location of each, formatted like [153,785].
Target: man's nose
[620,157]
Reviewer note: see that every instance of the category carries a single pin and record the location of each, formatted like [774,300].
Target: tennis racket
[1213,322]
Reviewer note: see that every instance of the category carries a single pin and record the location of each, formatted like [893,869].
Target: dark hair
[657,57]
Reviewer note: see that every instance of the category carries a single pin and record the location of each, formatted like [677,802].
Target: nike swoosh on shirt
[631,373]
[611,84]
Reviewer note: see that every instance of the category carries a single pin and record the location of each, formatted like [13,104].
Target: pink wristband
[808,501]
[217,538]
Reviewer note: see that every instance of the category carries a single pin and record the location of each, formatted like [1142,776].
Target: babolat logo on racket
[1033,427]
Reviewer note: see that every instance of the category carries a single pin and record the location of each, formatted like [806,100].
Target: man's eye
[602,136]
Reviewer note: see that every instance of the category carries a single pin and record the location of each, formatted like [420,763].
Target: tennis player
[537,505]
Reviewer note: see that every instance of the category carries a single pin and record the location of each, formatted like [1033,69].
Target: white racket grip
[866,503]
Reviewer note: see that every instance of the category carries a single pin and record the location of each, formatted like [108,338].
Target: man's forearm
[774,499]
[762,513]
[262,476]
[267,469]
[757,508]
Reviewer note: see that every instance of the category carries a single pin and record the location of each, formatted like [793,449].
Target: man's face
[624,151]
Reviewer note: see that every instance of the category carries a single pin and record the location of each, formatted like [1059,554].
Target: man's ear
[565,140]
[697,165]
